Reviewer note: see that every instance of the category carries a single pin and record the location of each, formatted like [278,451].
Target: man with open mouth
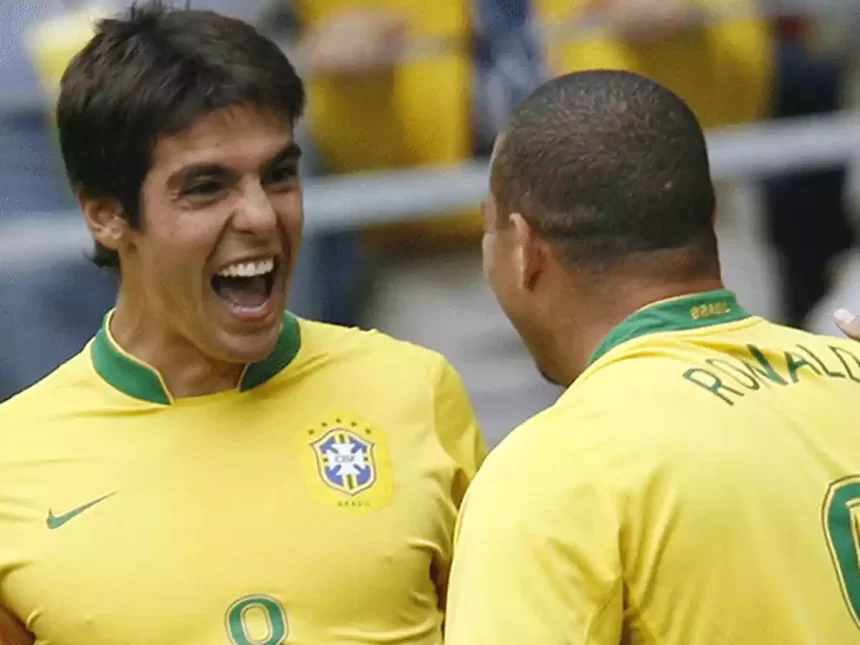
[210,468]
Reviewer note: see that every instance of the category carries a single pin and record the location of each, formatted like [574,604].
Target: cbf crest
[347,464]
[346,460]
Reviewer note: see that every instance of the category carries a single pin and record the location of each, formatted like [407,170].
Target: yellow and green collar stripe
[141,381]
[677,314]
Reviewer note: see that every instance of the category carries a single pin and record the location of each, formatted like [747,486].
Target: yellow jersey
[699,484]
[316,503]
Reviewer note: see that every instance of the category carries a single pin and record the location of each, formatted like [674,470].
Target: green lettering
[794,362]
[273,612]
[821,364]
[838,351]
[711,382]
[839,528]
[768,372]
[751,382]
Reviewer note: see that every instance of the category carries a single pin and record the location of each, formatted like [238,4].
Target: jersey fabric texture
[699,484]
[315,503]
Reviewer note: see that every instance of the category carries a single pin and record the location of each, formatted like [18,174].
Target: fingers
[848,322]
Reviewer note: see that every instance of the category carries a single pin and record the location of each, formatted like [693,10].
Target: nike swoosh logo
[56,521]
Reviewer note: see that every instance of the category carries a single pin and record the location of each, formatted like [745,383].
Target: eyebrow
[291,152]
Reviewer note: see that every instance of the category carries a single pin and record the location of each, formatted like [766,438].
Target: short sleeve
[460,437]
[458,429]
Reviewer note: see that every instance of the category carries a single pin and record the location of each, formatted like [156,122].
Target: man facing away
[211,469]
[698,482]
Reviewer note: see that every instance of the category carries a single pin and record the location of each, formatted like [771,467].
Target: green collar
[140,381]
[678,314]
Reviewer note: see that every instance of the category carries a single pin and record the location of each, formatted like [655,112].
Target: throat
[203,379]
[180,365]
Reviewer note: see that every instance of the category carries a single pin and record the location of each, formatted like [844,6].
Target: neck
[186,371]
[581,332]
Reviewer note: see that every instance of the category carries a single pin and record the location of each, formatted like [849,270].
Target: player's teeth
[248,269]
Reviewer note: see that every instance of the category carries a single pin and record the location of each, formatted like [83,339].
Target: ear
[528,254]
[104,218]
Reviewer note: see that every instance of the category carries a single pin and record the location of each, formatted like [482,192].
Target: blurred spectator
[49,309]
[732,66]
[807,212]
[716,54]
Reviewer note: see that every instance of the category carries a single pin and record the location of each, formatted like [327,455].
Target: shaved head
[608,166]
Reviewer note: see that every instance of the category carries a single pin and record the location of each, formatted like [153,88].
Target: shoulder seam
[50,382]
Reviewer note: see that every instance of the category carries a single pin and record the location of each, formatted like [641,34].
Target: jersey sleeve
[536,556]
[460,437]
[458,430]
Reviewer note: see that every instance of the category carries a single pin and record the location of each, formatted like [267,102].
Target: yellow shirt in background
[421,112]
[54,42]
[418,113]
[724,71]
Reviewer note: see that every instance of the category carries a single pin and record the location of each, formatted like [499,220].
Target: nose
[254,212]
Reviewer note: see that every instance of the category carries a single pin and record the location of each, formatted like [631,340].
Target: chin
[550,378]
[534,346]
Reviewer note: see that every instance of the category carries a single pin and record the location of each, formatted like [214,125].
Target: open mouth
[247,285]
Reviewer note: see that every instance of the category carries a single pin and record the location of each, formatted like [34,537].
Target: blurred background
[405,98]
